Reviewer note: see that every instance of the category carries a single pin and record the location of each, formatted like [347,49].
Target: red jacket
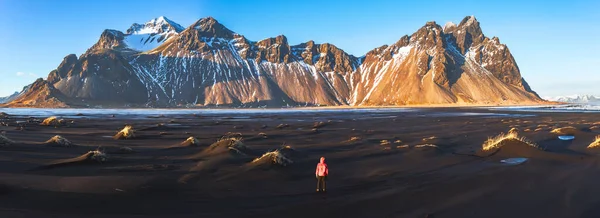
[322,169]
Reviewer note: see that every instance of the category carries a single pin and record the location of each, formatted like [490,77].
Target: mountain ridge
[206,64]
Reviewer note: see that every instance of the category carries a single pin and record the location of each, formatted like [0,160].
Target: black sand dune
[189,142]
[91,157]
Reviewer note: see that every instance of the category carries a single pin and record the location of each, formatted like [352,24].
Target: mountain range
[578,99]
[162,64]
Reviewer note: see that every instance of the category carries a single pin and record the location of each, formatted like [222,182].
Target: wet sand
[377,168]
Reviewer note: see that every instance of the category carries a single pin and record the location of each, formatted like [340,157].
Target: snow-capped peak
[147,36]
[156,26]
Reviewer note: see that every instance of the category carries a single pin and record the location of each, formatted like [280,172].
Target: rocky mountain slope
[162,64]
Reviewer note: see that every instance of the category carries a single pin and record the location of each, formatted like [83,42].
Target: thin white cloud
[26,74]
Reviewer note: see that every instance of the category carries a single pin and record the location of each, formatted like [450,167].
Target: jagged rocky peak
[467,34]
[497,59]
[430,34]
[211,28]
[109,39]
[449,27]
[203,36]
[155,26]
[334,59]
[274,50]
[69,63]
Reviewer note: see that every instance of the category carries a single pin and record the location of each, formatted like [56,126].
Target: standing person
[321,173]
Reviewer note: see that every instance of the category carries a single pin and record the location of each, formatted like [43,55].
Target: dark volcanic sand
[367,179]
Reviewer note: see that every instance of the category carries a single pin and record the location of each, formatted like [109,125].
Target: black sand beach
[417,163]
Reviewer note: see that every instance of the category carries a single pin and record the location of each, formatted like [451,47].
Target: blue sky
[555,44]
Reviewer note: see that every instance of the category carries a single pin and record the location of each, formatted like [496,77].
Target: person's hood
[322,160]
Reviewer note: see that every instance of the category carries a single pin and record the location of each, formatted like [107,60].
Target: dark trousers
[321,183]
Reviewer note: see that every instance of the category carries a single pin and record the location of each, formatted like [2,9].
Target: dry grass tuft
[52,121]
[355,138]
[426,146]
[384,142]
[191,141]
[429,138]
[497,142]
[126,133]
[319,124]
[283,125]
[595,143]
[274,157]
[232,144]
[565,130]
[513,130]
[98,155]
[4,141]
[263,135]
[59,141]
[402,146]
[232,135]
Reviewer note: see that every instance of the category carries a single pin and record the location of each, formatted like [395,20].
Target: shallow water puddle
[566,137]
[514,161]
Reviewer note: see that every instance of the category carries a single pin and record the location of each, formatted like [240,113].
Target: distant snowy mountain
[8,98]
[578,99]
